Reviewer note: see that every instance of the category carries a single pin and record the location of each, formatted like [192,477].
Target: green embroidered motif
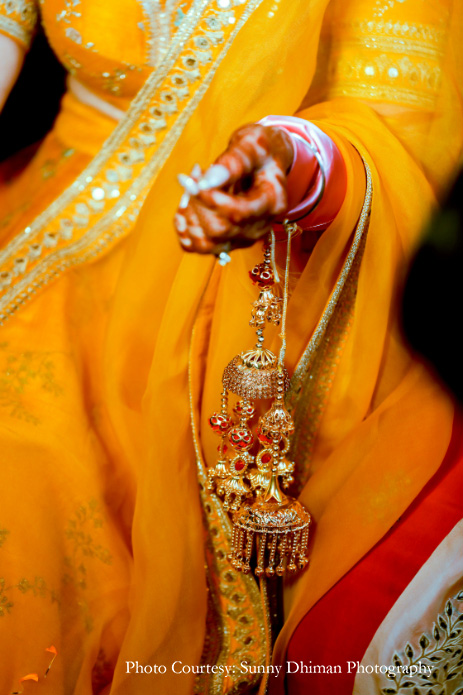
[18,373]
[37,587]
[50,167]
[5,604]
[79,533]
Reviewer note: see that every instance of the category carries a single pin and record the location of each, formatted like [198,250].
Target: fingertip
[216,176]
[184,200]
[180,222]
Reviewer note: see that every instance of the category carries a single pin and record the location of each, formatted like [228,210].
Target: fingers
[237,198]
[212,217]
[247,151]
[194,224]
[202,230]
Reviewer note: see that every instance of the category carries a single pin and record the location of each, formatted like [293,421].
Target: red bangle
[317,179]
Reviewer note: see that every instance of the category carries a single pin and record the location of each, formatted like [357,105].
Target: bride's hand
[235,201]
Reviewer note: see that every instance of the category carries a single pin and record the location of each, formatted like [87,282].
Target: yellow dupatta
[367,465]
[76,364]
[368,455]
[370,402]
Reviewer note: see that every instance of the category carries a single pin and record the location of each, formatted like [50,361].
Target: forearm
[11,61]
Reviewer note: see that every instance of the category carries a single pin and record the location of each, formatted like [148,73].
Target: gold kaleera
[266,523]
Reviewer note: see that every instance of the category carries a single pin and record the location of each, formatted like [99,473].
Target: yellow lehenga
[113,341]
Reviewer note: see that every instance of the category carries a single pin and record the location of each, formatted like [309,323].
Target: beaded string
[274,265]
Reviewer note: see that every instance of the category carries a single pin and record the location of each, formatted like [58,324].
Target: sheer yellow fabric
[102,531]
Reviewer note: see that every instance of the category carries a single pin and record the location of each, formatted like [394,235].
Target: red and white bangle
[317,179]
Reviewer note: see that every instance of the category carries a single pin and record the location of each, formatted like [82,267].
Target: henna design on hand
[237,199]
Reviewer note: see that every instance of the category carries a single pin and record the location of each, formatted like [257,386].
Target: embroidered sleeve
[383,51]
[18,19]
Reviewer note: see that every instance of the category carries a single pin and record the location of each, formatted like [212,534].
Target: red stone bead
[244,409]
[240,438]
[239,465]
[220,423]
[262,275]
[266,458]
[264,438]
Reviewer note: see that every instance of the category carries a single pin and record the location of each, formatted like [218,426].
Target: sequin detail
[18,19]
[160,18]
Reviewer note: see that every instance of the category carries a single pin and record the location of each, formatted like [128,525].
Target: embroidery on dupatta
[19,371]
[83,547]
[236,618]
[102,204]
[440,649]
[37,586]
[71,9]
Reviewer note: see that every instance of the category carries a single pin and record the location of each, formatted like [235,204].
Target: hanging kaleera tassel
[270,529]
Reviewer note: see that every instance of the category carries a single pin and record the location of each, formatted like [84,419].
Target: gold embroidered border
[389,44]
[236,610]
[149,9]
[102,204]
[363,90]
[15,30]
[265,603]
[396,62]
[312,379]
[398,37]
[404,77]
[158,32]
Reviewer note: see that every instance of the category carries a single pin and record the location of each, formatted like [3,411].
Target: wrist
[317,179]
[281,147]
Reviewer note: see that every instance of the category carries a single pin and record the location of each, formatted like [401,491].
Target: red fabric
[341,625]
